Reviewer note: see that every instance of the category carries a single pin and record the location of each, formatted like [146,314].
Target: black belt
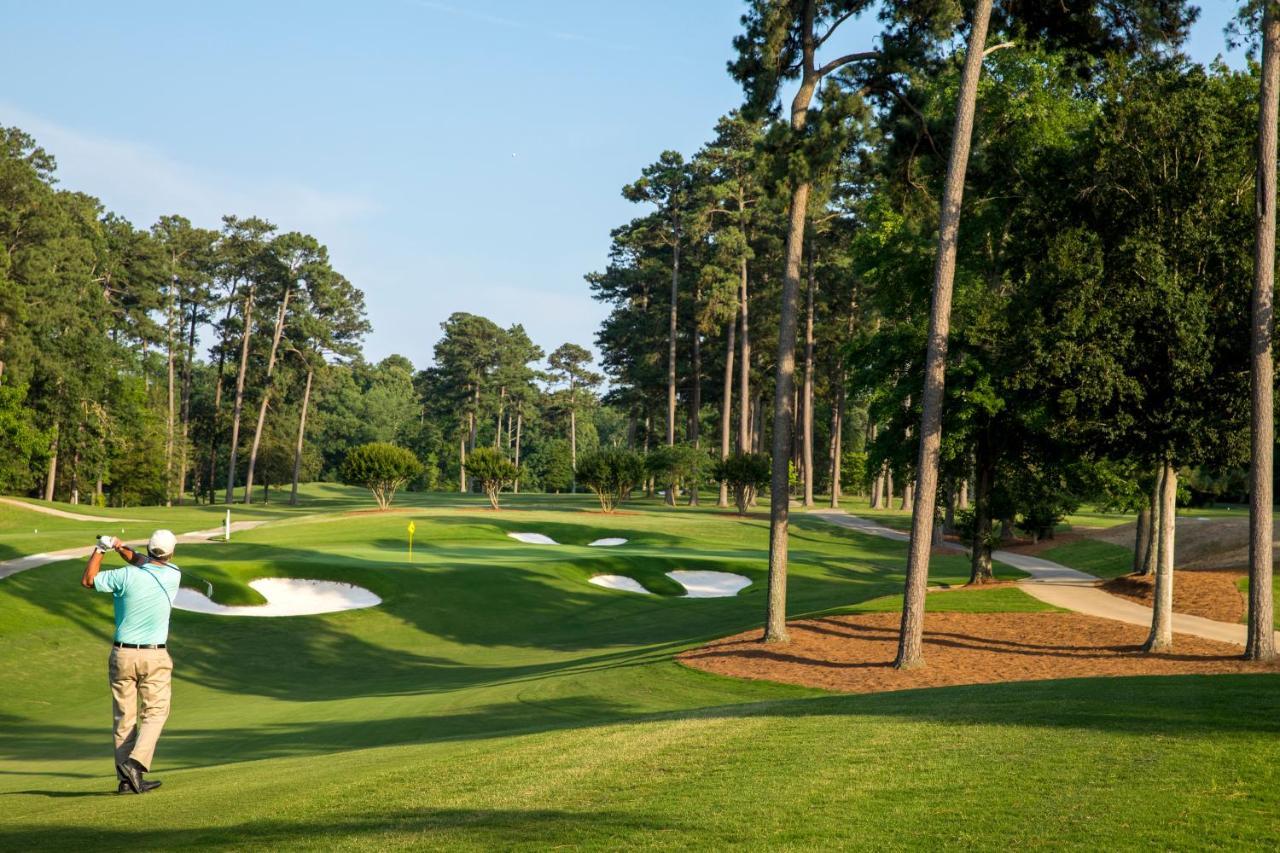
[136,646]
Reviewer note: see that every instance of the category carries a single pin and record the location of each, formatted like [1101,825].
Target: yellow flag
[412,528]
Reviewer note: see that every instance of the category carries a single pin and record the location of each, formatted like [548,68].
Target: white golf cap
[162,543]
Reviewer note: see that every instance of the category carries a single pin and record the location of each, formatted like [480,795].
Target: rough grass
[1103,559]
[496,699]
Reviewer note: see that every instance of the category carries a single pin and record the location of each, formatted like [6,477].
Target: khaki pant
[139,674]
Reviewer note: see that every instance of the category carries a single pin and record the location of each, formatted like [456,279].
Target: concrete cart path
[1068,588]
[22,564]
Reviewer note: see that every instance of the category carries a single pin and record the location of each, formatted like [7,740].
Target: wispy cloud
[513,24]
[143,183]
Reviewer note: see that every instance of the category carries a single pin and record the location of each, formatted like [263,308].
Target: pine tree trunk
[726,407]
[1149,554]
[837,446]
[980,553]
[807,423]
[266,395]
[519,424]
[784,383]
[239,404]
[51,475]
[888,487]
[184,459]
[744,367]
[910,643]
[1161,638]
[217,410]
[671,343]
[1142,534]
[1260,644]
[573,450]
[170,415]
[462,465]
[963,501]
[302,430]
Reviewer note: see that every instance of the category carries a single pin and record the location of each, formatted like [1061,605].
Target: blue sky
[454,156]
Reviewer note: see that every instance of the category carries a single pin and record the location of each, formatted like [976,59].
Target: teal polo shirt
[143,598]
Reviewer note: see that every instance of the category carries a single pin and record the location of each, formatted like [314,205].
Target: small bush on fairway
[745,474]
[611,473]
[381,468]
[678,466]
[492,470]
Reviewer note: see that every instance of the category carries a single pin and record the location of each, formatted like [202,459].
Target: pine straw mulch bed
[853,653]
[1199,592]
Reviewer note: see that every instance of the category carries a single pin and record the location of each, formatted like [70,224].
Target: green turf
[1243,586]
[1102,559]
[495,699]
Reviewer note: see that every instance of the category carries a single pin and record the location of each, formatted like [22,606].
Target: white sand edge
[707,584]
[285,597]
[619,582]
[533,538]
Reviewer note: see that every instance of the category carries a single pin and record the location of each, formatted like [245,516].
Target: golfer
[139,667]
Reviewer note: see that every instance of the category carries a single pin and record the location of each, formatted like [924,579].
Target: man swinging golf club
[139,667]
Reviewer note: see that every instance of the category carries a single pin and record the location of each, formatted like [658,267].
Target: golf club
[104,545]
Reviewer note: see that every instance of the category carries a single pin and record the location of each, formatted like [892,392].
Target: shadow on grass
[428,827]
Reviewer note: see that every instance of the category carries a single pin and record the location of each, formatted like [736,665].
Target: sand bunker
[533,538]
[619,582]
[607,542]
[285,597]
[704,584]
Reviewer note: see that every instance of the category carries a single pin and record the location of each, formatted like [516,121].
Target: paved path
[1068,588]
[60,513]
[21,564]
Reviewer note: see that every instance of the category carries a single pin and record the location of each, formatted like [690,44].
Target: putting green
[496,698]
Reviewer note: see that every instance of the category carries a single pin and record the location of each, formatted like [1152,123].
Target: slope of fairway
[495,697]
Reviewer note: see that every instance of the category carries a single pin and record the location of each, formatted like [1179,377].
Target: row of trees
[1090,319]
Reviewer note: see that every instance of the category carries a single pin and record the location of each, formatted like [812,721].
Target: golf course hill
[495,697]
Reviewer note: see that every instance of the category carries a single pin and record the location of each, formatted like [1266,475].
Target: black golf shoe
[130,773]
[147,785]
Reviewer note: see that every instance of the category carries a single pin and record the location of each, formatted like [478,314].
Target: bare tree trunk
[980,553]
[837,445]
[783,412]
[1149,555]
[266,395]
[1161,638]
[744,367]
[1142,536]
[726,408]
[888,487]
[239,404]
[910,643]
[807,424]
[519,424]
[963,500]
[462,465]
[573,449]
[1260,644]
[671,343]
[51,475]
[170,415]
[302,430]
[186,409]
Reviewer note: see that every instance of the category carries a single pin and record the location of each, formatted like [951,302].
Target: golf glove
[106,543]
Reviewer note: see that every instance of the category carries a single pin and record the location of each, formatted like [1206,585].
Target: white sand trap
[285,597]
[704,584]
[608,542]
[534,538]
[620,582]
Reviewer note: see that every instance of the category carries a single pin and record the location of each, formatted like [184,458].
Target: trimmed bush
[611,473]
[492,471]
[745,474]
[381,468]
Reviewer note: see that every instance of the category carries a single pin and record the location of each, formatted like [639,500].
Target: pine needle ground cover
[496,698]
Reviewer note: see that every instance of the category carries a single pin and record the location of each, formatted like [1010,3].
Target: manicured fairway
[496,698]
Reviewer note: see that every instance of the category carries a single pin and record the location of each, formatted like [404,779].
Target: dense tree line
[992,265]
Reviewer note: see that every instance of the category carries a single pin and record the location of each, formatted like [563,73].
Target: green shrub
[492,470]
[381,468]
[611,473]
[745,474]
[678,466]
